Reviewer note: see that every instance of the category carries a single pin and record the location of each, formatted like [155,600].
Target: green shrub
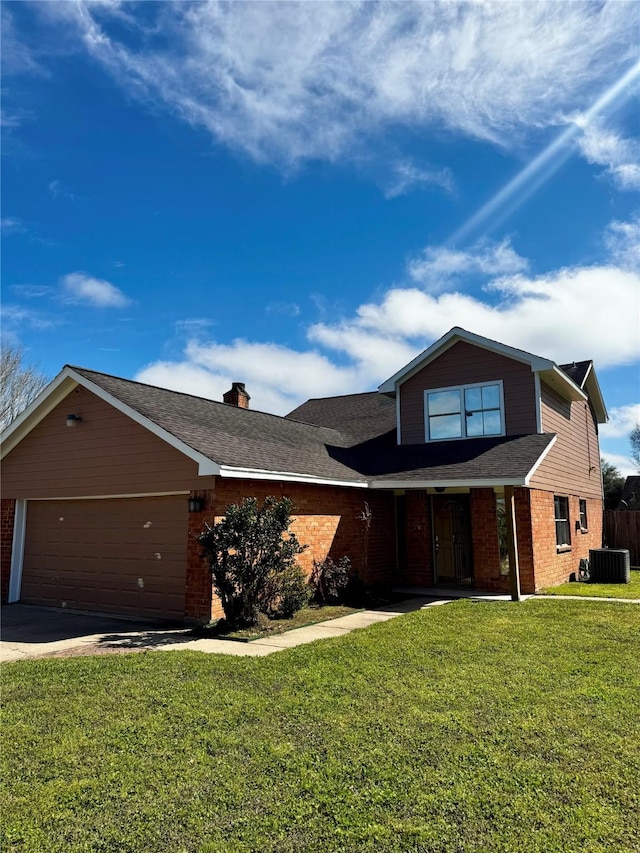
[247,551]
[329,581]
[292,593]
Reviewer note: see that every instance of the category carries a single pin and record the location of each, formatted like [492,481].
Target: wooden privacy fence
[622,530]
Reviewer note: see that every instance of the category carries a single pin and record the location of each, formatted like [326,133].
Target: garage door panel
[93,554]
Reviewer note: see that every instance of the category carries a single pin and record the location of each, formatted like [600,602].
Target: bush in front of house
[251,554]
[330,581]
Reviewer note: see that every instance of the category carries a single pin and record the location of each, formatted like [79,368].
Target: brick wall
[419,571]
[325,518]
[486,546]
[524,531]
[551,566]
[7,516]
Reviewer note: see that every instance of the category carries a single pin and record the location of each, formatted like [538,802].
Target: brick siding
[551,566]
[325,518]
[486,544]
[7,517]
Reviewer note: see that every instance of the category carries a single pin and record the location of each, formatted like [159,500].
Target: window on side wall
[467,411]
[563,528]
[584,526]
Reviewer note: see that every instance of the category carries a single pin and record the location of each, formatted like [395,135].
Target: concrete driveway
[29,632]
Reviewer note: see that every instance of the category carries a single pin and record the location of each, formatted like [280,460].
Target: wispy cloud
[287,309]
[619,156]
[17,317]
[439,266]
[59,190]
[12,225]
[290,81]
[31,291]
[407,176]
[564,314]
[82,288]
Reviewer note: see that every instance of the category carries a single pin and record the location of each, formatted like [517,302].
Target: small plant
[247,552]
[292,593]
[329,580]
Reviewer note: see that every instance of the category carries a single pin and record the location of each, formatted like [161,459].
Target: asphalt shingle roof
[350,438]
[576,371]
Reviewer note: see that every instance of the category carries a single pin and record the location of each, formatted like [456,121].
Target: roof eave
[452,337]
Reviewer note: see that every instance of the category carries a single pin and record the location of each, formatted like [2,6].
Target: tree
[634,440]
[19,384]
[612,482]
[252,559]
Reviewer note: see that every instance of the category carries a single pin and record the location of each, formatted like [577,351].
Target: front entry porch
[452,539]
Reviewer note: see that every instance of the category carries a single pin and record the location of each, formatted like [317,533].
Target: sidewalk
[300,636]
[32,632]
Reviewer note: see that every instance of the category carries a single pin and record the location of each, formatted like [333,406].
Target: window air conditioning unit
[610,565]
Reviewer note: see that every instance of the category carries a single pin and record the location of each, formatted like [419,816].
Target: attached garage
[123,556]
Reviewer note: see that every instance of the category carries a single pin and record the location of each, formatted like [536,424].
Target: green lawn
[470,727]
[600,590]
[310,615]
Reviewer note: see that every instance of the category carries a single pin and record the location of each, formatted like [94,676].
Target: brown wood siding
[122,556]
[107,453]
[572,466]
[465,364]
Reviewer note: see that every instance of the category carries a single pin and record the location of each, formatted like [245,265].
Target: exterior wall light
[196,504]
[440,489]
[72,420]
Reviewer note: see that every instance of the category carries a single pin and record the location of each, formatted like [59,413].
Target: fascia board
[436,484]
[287,476]
[572,391]
[595,395]
[539,460]
[37,410]
[452,337]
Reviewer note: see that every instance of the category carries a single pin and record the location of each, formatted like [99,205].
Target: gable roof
[548,369]
[359,449]
[584,376]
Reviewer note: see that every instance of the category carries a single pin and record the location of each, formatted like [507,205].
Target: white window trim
[462,389]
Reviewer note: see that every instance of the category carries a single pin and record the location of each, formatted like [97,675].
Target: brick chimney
[237,396]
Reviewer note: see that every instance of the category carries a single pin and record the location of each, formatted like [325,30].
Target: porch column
[512,542]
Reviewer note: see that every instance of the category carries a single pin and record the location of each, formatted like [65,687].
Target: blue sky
[304,196]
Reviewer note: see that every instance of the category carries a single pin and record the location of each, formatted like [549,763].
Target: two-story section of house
[477,465]
[509,441]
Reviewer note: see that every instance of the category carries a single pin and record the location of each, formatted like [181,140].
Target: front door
[453,559]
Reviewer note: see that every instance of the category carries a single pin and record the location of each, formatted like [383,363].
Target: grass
[306,616]
[470,727]
[600,590]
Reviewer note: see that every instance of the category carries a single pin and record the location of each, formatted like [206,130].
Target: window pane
[474,424]
[492,425]
[445,426]
[491,397]
[473,399]
[444,402]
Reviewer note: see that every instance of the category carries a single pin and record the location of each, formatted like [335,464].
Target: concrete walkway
[112,637]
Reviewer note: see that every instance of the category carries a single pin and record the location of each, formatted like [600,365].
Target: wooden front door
[453,557]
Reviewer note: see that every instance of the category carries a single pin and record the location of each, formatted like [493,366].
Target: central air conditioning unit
[610,565]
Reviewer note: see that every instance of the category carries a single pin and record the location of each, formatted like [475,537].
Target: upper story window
[467,411]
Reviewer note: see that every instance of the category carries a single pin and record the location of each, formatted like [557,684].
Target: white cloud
[438,266]
[620,156]
[12,225]
[622,463]
[622,419]
[290,81]
[80,287]
[622,240]
[407,176]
